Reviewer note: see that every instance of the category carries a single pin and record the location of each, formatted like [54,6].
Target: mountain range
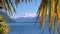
[26,20]
[29,19]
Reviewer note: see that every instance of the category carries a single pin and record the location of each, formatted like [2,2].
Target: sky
[26,10]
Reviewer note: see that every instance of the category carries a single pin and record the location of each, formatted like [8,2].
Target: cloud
[26,15]
[30,14]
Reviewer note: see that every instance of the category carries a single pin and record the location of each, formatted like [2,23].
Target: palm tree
[8,6]
[53,7]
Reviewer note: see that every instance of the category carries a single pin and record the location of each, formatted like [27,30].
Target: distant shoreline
[22,23]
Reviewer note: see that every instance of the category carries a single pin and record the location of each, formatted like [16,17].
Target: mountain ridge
[23,19]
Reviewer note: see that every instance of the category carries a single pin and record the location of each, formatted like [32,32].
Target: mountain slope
[7,18]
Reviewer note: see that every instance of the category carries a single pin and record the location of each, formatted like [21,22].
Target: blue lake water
[27,28]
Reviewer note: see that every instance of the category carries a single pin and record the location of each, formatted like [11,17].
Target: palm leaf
[42,13]
[12,6]
[9,6]
[58,9]
[53,13]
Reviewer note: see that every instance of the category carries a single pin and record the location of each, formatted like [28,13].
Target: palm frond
[54,12]
[8,5]
[42,13]
[12,6]
[58,11]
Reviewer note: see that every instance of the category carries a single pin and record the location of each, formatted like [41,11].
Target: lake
[27,28]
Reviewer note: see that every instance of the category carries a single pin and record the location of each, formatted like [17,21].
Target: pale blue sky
[28,8]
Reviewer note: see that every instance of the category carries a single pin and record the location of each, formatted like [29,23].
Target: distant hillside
[26,20]
[7,18]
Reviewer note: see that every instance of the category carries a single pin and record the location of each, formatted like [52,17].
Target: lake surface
[27,28]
